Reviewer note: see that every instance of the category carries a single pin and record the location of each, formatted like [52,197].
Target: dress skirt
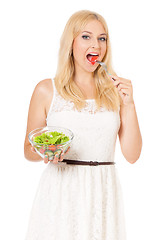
[75,202]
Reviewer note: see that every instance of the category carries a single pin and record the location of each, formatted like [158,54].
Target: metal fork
[104,66]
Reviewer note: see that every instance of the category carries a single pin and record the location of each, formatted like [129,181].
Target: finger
[56,159]
[125,91]
[116,83]
[46,159]
[61,157]
[67,150]
[62,154]
[114,78]
[122,86]
[120,80]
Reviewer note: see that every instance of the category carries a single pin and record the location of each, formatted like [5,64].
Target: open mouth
[92,57]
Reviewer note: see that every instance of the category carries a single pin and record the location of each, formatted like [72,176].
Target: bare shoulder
[43,94]
[45,89]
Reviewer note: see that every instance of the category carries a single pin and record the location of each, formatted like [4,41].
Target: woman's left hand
[125,89]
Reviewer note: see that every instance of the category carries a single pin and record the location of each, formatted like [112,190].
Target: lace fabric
[93,130]
[75,202]
[60,104]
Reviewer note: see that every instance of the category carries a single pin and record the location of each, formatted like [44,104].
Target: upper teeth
[94,54]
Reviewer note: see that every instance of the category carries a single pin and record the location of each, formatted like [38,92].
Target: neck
[84,78]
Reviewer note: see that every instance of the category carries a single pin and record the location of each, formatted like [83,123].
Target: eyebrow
[91,33]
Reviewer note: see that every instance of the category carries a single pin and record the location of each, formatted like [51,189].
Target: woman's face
[91,41]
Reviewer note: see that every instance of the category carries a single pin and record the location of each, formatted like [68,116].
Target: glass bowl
[50,149]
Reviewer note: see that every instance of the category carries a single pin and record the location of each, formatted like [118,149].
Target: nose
[95,43]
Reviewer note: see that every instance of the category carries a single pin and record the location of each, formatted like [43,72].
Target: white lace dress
[75,202]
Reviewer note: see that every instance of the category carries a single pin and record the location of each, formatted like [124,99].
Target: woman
[83,200]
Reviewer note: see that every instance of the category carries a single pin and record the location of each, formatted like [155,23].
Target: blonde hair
[106,93]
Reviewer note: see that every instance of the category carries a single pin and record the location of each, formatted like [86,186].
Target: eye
[103,39]
[85,37]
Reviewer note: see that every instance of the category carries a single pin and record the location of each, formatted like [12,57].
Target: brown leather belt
[91,163]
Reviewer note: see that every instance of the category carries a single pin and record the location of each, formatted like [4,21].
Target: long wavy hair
[106,93]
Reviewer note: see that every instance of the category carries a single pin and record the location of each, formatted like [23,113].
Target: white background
[30,35]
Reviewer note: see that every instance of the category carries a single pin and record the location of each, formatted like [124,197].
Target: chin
[92,70]
[87,67]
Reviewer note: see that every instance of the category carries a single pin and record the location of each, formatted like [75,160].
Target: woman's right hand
[56,159]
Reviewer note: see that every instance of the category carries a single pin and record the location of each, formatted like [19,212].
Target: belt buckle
[94,163]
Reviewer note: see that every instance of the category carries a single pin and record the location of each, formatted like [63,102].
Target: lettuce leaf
[51,138]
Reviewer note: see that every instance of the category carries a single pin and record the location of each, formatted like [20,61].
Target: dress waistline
[91,163]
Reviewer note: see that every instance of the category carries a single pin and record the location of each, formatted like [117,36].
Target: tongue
[92,58]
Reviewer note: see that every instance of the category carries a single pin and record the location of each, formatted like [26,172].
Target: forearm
[31,156]
[130,136]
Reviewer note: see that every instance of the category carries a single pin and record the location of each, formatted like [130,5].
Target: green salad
[51,138]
